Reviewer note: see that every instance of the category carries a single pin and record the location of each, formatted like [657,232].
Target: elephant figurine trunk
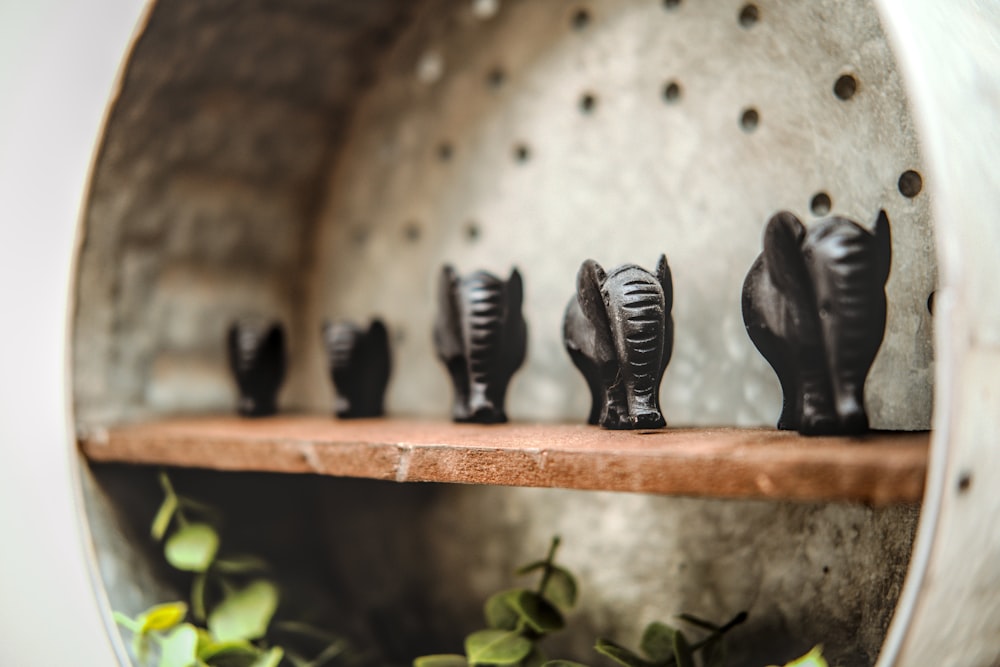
[814,305]
[360,364]
[619,332]
[481,336]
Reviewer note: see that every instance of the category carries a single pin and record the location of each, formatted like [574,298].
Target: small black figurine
[257,358]
[359,366]
[481,336]
[619,332]
[814,305]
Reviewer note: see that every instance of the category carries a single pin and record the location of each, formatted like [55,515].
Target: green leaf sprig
[517,619]
[665,646]
[232,633]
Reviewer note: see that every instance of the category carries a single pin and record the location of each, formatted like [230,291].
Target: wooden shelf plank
[879,468]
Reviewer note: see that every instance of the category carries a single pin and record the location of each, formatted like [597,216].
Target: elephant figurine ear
[515,292]
[377,333]
[589,280]
[447,331]
[666,281]
[883,247]
[783,252]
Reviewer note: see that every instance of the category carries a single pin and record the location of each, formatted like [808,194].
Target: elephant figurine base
[814,306]
[359,363]
[481,336]
[619,332]
[257,360]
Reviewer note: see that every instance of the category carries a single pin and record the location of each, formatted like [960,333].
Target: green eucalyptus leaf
[620,654]
[441,661]
[163,516]
[813,658]
[699,622]
[270,659]
[560,588]
[215,650]
[198,596]
[239,564]
[537,612]
[162,617]
[496,647]
[192,547]
[682,650]
[244,613]
[658,641]
[499,610]
[180,647]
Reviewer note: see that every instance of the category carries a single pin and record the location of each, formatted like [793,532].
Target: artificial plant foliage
[663,645]
[517,619]
[231,632]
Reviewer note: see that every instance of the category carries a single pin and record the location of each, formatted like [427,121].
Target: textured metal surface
[431,173]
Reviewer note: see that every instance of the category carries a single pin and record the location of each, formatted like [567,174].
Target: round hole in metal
[749,119]
[910,183]
[749,15]
[671,92]
[820,204]
[845,87]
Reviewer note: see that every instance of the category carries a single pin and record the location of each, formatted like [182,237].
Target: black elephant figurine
[257,359]
[814,305]
[619,332]
[360,363]
[481,336]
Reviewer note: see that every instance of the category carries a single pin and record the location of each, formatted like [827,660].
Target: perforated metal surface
[551,132]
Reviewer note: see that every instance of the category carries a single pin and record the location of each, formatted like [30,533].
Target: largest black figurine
[814,305]
[481,337]
[619,332]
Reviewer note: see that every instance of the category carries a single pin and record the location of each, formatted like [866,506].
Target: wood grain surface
[878,469]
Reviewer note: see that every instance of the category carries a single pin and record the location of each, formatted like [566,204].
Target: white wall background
[58,61]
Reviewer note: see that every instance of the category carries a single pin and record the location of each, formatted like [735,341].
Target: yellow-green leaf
[658,641]
[162,617]
[496,647]
[179,648]
[193,547]
[560,588]
[245,613]
[500,611]
[620,654]
[270,659]
[441,661]
[227,649]
[813,658]
[163,516]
